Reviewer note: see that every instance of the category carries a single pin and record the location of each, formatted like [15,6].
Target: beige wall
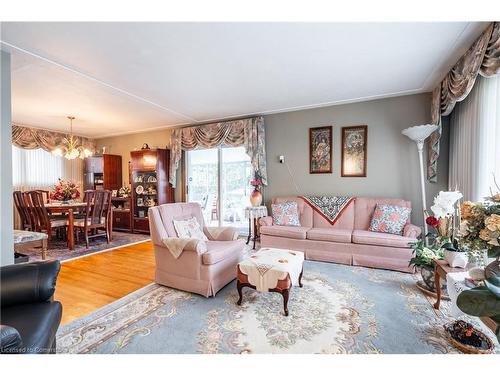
[123,144]
[392,158]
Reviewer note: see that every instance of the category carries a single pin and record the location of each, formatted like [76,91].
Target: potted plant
[256,195]
[480,231]
[447,215]
[442,225]
[65,191]
[424,256]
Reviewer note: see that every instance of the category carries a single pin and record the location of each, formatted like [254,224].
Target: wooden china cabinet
[149,173]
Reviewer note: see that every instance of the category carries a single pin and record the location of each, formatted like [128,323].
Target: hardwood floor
[91,282]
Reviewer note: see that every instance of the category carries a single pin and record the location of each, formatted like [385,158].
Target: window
[474,140]
[220,172]
[39,169]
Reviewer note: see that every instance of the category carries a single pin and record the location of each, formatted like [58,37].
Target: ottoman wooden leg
[300,278]
[239,286]
[285,294]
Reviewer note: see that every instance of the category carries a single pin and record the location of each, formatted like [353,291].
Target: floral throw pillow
[286,214]
[189,228]
[389,219]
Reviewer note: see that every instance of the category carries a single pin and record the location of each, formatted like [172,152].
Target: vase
[456,258]
[256,198]
[428,277]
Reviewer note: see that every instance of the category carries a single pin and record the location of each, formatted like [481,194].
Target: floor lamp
[418,134]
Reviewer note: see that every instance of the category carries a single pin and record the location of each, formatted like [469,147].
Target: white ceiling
[127,77]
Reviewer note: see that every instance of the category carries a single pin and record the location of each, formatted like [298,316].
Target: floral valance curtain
[246,132]
[32,138]
[483,58]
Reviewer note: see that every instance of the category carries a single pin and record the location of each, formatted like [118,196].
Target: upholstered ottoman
[271,270]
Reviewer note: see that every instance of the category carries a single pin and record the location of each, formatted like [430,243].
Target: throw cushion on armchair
[189,228]
[286,213]
[389,219]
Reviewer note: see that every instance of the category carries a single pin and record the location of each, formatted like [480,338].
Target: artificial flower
[464,228]
[432,221]
[493,222]
[444,203]
[467,210]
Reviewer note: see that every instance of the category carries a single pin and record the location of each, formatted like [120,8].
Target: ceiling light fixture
[70,148]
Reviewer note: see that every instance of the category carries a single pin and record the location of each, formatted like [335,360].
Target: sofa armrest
[266,221]
[10,340]
[221,233]
[28,282]
[411,231]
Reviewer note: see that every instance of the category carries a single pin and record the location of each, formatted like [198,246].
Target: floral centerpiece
[480,228]
[65,191]
[256,195]
[480,234]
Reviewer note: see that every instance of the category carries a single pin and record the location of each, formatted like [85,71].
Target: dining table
[69,209]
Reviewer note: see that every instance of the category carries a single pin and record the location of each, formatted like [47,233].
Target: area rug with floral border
[340,309]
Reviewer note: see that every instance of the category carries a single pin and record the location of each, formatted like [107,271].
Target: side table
[253,214]
[441,268]
[27,239]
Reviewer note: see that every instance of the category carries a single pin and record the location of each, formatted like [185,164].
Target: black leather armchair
[29,316]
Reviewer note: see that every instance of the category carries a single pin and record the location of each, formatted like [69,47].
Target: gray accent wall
[392,158]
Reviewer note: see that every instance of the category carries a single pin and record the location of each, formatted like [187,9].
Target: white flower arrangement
[444,204]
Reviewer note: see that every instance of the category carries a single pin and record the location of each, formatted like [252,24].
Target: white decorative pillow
[189,228]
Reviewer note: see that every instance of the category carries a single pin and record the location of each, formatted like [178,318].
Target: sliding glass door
[219,179]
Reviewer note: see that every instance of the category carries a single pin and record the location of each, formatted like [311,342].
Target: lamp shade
[419,132]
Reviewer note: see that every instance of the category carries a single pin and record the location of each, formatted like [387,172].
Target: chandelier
[70,148]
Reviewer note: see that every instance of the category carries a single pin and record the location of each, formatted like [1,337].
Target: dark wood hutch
[149,174]
[103,172]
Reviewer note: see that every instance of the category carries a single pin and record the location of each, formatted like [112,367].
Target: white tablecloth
[268,265]
[255,212]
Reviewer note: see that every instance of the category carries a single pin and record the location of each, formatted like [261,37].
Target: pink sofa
[348,241]
[204,267]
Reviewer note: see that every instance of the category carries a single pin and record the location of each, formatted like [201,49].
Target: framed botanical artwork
[320,149]
[354,143]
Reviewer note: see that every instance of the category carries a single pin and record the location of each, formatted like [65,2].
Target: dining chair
[97,216]
[43,222]
[22,209]
[45,194]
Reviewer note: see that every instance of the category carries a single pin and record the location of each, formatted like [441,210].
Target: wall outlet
[282,159]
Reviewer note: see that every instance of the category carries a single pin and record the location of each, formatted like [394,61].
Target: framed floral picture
[354,144]
[320,149]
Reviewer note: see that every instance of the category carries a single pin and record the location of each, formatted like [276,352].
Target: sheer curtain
[475,140]
[39,169]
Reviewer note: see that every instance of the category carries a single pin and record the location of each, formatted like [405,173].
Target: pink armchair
[204,267]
